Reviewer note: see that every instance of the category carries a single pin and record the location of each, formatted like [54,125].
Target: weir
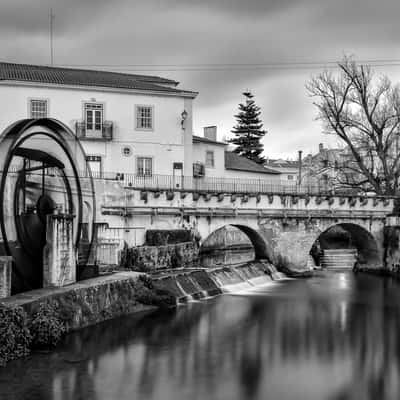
[189,284]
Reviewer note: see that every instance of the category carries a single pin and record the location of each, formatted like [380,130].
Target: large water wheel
[43,170]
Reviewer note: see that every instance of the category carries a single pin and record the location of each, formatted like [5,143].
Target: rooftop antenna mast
[51,16]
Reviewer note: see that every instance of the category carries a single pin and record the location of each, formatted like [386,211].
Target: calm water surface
[335,336]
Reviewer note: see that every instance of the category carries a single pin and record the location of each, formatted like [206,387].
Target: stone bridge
[282,228]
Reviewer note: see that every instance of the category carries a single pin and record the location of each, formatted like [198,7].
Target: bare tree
[365,114]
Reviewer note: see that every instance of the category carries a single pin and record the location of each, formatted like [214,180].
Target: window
[126,151]
[290,177]
[38,108]
[144,117]
[144,166]
[93,118]
[209,159]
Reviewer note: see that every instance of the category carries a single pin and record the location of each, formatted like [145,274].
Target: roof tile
[236,162]
[84,77]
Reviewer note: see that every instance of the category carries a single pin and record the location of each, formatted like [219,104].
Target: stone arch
[349,235]
[261,249]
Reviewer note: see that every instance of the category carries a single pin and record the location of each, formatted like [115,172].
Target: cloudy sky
[216,47]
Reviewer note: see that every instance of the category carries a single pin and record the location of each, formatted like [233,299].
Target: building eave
[254,172]
[199,139]
[184,94]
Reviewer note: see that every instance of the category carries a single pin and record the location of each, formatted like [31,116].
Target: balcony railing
[106,132]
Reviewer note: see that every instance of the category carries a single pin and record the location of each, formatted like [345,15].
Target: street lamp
[184,116]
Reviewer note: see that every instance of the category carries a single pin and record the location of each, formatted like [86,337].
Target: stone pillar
[59,258]
[5,276]
[392,244]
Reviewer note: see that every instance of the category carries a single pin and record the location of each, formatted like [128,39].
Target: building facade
[137,128]
[219,163]
[127,123]
[289,170]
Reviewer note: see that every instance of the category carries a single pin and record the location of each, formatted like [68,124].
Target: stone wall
[392,249]
[151,258]
[86,303]
[160,237]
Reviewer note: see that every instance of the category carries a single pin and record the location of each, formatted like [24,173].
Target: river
[333,336]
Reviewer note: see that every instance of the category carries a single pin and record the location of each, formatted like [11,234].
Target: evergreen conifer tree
[248,131]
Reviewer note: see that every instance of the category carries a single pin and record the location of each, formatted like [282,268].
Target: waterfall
[186,296]
[246,276]
[202,283]
[276,275]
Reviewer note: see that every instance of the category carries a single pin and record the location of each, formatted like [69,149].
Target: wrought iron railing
[106,132]
[216,185]
[207,184]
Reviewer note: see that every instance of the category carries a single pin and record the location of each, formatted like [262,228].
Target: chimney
[321,147]
[210,132]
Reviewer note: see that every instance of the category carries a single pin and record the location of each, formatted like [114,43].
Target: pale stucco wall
[219,171]
[199,155]
[165,143]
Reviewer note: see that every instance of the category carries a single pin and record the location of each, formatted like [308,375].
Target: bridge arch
[348,236]
[260,246]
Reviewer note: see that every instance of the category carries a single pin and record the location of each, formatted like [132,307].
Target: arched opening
[345,245]
[232,244]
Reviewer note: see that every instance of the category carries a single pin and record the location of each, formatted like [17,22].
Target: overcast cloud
[176,32]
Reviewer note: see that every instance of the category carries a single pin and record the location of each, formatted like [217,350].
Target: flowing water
[333,336]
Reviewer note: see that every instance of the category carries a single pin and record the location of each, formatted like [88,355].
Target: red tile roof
[85,77]
[239,163]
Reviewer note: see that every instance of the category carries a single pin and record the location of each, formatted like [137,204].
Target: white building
[289,170]
[135,125]
[218,162]
[127,123]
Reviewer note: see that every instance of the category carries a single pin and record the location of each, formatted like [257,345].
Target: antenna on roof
[51,16]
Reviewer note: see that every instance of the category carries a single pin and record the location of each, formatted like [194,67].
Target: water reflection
[334,336]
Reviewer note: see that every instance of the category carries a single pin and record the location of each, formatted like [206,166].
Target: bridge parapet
[115,197]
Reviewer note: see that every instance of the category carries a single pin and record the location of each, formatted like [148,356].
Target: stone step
[340,251]
[339,261]
[334,264]
[338,258]
[352,257]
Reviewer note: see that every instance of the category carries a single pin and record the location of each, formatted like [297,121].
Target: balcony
[105,134]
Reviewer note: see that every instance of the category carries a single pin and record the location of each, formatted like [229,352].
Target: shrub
[176,259]
[46,327]
[15,337]
[147,281]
